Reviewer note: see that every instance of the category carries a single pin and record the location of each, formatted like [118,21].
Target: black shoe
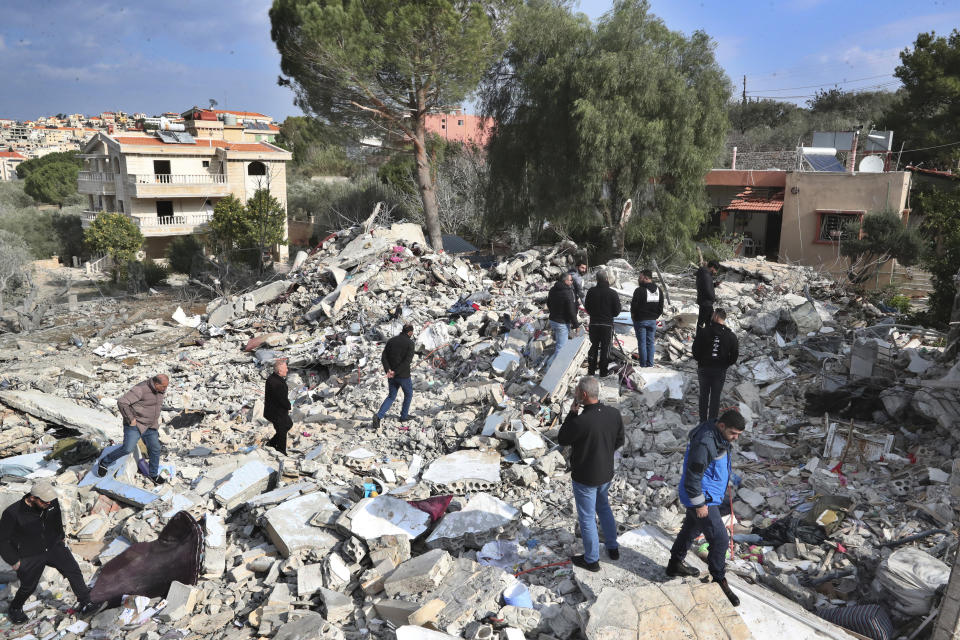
[613,554]
[676,570]
[581,562]
[375,424]
[17,616]
[89,608]
[101,470]
[158,480]
[727,591]
[408,419]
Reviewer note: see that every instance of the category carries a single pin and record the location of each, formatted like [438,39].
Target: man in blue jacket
[703,485]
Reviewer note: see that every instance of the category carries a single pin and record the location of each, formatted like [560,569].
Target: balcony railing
[177,178]
[95,176]
[182,220]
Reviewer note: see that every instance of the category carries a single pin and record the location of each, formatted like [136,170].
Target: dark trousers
[705,316]
[713,530]
[711,386]
[58,557]
[281,425]
[600,337]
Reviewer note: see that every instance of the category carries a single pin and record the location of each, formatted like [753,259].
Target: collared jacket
[276,397]
[26,532]
[716,346]
[706,467]
[577,286]
[705,293]
[562,305]
[603,304]
[142,404]
[595,434]
[647,303]
[398,354]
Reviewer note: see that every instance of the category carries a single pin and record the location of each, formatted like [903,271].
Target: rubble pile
[458,523]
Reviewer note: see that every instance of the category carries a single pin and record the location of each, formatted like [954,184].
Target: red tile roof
[11,154]
[201,142]
[748,201]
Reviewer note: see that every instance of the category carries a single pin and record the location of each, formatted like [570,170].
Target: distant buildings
[8,164]
[458,126]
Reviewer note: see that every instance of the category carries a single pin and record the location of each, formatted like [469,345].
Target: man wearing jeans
[562,306]
[714,348]
[703,486]
[140,408]
[396,359]
[645,307]
[594,434]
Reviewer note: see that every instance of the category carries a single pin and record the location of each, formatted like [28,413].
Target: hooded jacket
[716,346]
[706,467]
[25,531]
[647,303]
[602,303]
[562,305]
[705,293]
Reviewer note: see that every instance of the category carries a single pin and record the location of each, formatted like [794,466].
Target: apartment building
[457,126]
[168,182]
[8,164]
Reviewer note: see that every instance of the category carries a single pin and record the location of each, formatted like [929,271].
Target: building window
[459,123]
[835,226]
[256,169]
[206,164]
[120,206]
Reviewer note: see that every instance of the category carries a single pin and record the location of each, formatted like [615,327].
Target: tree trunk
[620,231]
[428,192]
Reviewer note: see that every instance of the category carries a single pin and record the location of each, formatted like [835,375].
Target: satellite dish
[871,164]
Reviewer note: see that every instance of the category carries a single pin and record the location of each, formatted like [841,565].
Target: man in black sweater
[595,434]
[706,297]
[31,539]
[276,406]
[562,307]
[396,359]
[645,307]
[714,348]
[603,305]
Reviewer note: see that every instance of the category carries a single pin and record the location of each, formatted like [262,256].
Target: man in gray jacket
[140,408]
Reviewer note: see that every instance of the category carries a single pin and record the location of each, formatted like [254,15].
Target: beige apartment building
[168,182]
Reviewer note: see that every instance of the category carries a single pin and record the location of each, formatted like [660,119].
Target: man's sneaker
[89,608]
[158,480]
[678,569]
[375,423]
[101,470]
[727,591]
[581,562]
[408,419]
[17,616]
[613,554]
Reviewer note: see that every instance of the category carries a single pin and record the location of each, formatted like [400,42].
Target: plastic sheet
[910,578]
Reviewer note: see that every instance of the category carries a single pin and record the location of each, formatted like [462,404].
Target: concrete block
[339,608]
[482,519]
[288,524]
[396,612]
[418,574]
[469,590]
[412,632]
[465,470]
[309,580]
[181,600]
[309,626]
[249,480]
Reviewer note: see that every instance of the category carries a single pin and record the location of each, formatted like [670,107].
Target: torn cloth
[148,568]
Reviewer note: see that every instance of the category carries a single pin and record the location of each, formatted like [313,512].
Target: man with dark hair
[602,305]
[706,297]
[276,406]
[577,273]
[562,308]
[714,348]
[645,307]
[396,359]
[31,539]
[595,434]
[703,486]
[140,408]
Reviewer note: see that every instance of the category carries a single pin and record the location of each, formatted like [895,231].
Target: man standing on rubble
[31,539]
[594,434]
[562,307]
[603,305]
[577,274]
[140,408]
[714,348]
[703,486]
[396,359]
[706,297]
[645,307]
[276,406]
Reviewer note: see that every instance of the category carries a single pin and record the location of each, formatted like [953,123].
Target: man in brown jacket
[140,408]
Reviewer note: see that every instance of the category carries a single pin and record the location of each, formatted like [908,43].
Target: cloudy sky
[60,56]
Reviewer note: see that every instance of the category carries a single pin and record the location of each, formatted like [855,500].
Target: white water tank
[229,119]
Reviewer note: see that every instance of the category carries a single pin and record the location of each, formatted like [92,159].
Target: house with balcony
[168,182]
[8,164]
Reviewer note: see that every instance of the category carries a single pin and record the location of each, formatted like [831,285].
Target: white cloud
[2,45]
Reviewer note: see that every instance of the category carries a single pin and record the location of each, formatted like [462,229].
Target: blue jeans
[646,331]
[131,435]
[592,502]
[394,384]
[713,530]
[561,332]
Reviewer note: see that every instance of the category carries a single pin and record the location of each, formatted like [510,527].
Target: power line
[936,146]
[823,84]
[814,95]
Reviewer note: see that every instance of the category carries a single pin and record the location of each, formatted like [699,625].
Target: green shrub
[899,302]
[154,273]
[182,253]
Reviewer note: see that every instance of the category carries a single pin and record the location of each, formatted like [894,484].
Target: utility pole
[743,104]
[744,89]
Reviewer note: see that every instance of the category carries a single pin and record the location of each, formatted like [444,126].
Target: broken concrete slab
[465,470]
[308,626]
[412,632]
[181,600]
[249,480]
[309,580]
[66,413]
[564,369]
[418,575]
[338,607]
[288,524]
[669,382]
[482,519]
[372,518]
[468,591]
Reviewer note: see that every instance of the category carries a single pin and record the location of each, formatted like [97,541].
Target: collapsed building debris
[458,523]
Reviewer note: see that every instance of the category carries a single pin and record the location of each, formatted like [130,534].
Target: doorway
[161,171]
[772,237]
[164,211]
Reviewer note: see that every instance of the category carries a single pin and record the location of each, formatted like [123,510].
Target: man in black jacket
[396,359]
[714,348]
[645,307]
[595,434]
[32,538]
[603,305]
[706,297]
[562,307]
[276,406]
